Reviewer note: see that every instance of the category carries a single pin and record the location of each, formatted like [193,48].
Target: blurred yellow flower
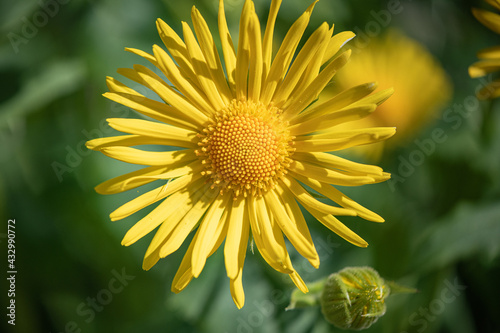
[490,57]
[420,84]
[248,140]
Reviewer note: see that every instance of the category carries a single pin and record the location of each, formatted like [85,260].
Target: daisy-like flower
[490,57]
[397,61]
[249,141]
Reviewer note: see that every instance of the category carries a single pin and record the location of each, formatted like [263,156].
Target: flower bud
[354,298]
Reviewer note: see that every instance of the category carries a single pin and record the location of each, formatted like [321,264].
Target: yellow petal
[201,68]
[295,105]
[243,54]
[163,234]
[237,238]
[303,245]
[156,194]
[227,48]
[299,283]
[185,273]
[307,199]
[116,86]
[256,64]
[188,222]
[332,141]
[159,215]
[295,214]
[377,98]
[137,156]
[122,183]
[267,47]
[300,64]
[336,162]
[488,19]
[347,114]
[154,109]
[187,138]
[236,287]
[342,100]
[212,57]
[143,54]
[127,141]
[483,67]
[150,260]
[192,93]
[147,175]
[285,55]
[175,45]
[207,229]
[268,246]
[494,3]
[491,90]
[333,194]
[335,43]
[329,176]
[167,94]
[338,227]
[313,68]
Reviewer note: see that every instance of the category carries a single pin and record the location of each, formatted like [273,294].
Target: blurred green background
[442,230]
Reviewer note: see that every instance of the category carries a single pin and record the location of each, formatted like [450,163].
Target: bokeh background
[442,230]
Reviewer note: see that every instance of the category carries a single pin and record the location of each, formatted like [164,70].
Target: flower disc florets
[246,148]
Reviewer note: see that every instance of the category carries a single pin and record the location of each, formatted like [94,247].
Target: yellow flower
[249,141]
[421,86]
[490,57]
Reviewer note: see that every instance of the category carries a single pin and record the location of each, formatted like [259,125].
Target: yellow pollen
[246,148]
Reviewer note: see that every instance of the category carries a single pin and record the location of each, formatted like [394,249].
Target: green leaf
[56,80]
[468,231]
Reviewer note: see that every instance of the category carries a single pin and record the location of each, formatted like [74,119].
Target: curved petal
[338,140]
[193,94]
[177,48]
[154,130]
[296,105]
[332,119]
[337,102]
[207,231]
[267,44]
[212,57]
[184,274]
[333,194]
[307,199]
[338,227]
[285,54]
[303,245]
[265,239]
[227,48]
[202,69]
[336,162]
[256,62]
[237,238]
[303,59]
[142,157]
[175,239]
[129,140]
[160,214]
[330,176]
[155,195]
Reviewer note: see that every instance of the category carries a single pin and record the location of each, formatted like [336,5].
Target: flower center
[246,148]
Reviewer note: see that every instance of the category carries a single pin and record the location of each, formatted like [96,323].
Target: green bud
[354,298]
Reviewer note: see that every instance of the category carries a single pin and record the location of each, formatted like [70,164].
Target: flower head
[248,141]
[395,60]
[489,58]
